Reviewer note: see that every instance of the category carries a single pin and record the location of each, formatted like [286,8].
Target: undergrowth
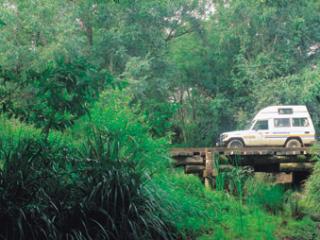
[107,178]
[88,183]
[311,201]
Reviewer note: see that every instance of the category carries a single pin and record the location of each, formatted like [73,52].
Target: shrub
[26,178]
[113,127]
[114,204]
[88,183]
[121,155]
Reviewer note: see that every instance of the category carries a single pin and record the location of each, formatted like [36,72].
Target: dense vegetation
[93,93]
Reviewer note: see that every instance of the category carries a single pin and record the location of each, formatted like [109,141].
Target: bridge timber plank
[280,151]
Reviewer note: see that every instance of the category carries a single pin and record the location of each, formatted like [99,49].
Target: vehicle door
[261,131]
[281,131]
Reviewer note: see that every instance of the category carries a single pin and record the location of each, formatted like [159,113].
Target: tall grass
[262,193]
[231,179]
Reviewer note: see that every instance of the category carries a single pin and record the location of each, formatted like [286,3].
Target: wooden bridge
[207,162]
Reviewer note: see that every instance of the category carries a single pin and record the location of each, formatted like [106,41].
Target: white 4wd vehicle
[288,126]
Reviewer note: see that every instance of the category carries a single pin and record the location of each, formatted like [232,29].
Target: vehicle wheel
[235,143]
[293,143]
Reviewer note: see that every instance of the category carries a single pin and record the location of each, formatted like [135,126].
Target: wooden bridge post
[208,169]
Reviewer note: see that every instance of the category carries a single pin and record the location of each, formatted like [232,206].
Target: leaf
[2,23]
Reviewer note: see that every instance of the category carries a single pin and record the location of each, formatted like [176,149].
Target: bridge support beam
[208,170]
[207,162]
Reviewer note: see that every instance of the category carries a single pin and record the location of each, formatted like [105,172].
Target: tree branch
[173,36]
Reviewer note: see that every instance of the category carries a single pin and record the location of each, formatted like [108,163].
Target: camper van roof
[282,111]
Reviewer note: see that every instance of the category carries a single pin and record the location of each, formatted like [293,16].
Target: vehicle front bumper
[221,142]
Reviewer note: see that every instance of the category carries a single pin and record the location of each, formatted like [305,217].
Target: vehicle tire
[293,143]
[235,143]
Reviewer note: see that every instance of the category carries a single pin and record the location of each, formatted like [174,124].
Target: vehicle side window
[300,122]
[281,122]
[261,125]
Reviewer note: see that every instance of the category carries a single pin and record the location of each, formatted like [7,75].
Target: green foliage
[306,229]
[293,206]
[114,204]
[186,204]
[187,73]
[248,55]
[63,93]
[265,195]
[312,189]
[193,72]
[57,187]
[29,182]
[196,211]
[232,179]
[2,23]
[113,127]
[56,97]
[86,194]
[11,133]
[200,120]
[123,155]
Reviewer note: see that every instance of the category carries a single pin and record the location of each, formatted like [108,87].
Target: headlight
[223,136]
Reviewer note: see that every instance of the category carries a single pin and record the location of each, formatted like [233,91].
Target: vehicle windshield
[249,125]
